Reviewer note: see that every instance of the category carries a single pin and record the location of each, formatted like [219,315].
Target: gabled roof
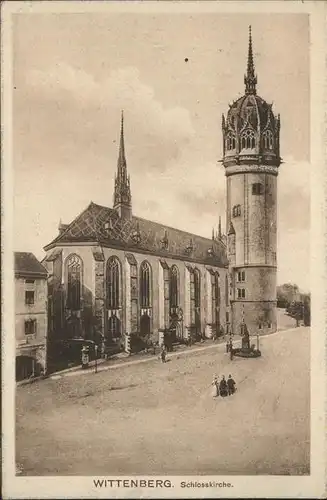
[104,226]
[27,265]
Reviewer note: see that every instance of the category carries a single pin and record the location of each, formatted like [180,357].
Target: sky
[173,75]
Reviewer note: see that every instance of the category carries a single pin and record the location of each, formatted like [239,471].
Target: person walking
[231,385]
[163,354]
[223,389]
[215,385]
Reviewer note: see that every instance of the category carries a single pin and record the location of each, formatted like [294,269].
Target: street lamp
[96,359]
[257,341]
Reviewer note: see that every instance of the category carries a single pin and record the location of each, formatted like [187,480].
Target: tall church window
[195,299]
[248,140]
[113,283]
[268,140]
[174,287]
[74,273]
[145,284]
[215,288]
[230,141]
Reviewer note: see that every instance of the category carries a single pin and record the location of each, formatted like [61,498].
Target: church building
[112,274]
[116,276]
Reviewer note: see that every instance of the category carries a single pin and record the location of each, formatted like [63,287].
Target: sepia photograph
[161,241]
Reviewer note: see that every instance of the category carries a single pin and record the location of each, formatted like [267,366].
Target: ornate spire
[250,79]
[122,194]
[219,227]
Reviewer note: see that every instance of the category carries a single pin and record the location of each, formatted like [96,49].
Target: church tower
[122,193]
[251,157]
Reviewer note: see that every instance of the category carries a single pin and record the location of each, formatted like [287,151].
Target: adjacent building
[30,315]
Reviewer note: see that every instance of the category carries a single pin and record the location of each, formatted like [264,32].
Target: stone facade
[30,316]
[95,288]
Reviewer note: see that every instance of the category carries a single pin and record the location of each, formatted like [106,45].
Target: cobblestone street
[154,418]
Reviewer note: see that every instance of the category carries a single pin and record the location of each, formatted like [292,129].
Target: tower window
[257,188]
[248,140]
[241,293]
[236,210]
[230,141]
[268,140]
[241,276]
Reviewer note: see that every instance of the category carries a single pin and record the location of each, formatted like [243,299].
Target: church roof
[104,226]
[27,265]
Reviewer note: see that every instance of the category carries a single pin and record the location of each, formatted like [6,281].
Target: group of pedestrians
[224,387]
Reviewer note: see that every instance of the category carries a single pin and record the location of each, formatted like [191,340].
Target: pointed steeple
[250,79]
[122,194]
[219,227]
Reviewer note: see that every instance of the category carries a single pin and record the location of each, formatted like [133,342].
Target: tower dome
[251,130]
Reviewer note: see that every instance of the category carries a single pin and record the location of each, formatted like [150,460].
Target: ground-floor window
[26,367]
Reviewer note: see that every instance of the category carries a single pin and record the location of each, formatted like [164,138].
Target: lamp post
[96,359]
[257,341]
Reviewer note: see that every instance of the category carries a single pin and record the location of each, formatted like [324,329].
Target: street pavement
[155,418]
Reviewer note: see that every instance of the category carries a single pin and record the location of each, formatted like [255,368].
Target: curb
[78,370]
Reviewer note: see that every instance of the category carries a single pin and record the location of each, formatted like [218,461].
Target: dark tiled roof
[103,225]
[26,264]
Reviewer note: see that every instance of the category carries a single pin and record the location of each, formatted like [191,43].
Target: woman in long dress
[223,387]
[215,390]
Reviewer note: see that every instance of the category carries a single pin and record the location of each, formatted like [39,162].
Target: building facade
[251,157]
[30,316]
[113,275]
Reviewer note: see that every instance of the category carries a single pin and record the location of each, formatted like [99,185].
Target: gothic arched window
[74,273]
[195,299]
[215,288]
[113,283]
[248,140]
[268,140]
[230,141]
[174,287]
[197,288]
[145,284]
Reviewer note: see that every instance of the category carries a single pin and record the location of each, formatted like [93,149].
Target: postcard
[163,208]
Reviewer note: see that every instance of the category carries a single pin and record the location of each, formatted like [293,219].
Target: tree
[286,294]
